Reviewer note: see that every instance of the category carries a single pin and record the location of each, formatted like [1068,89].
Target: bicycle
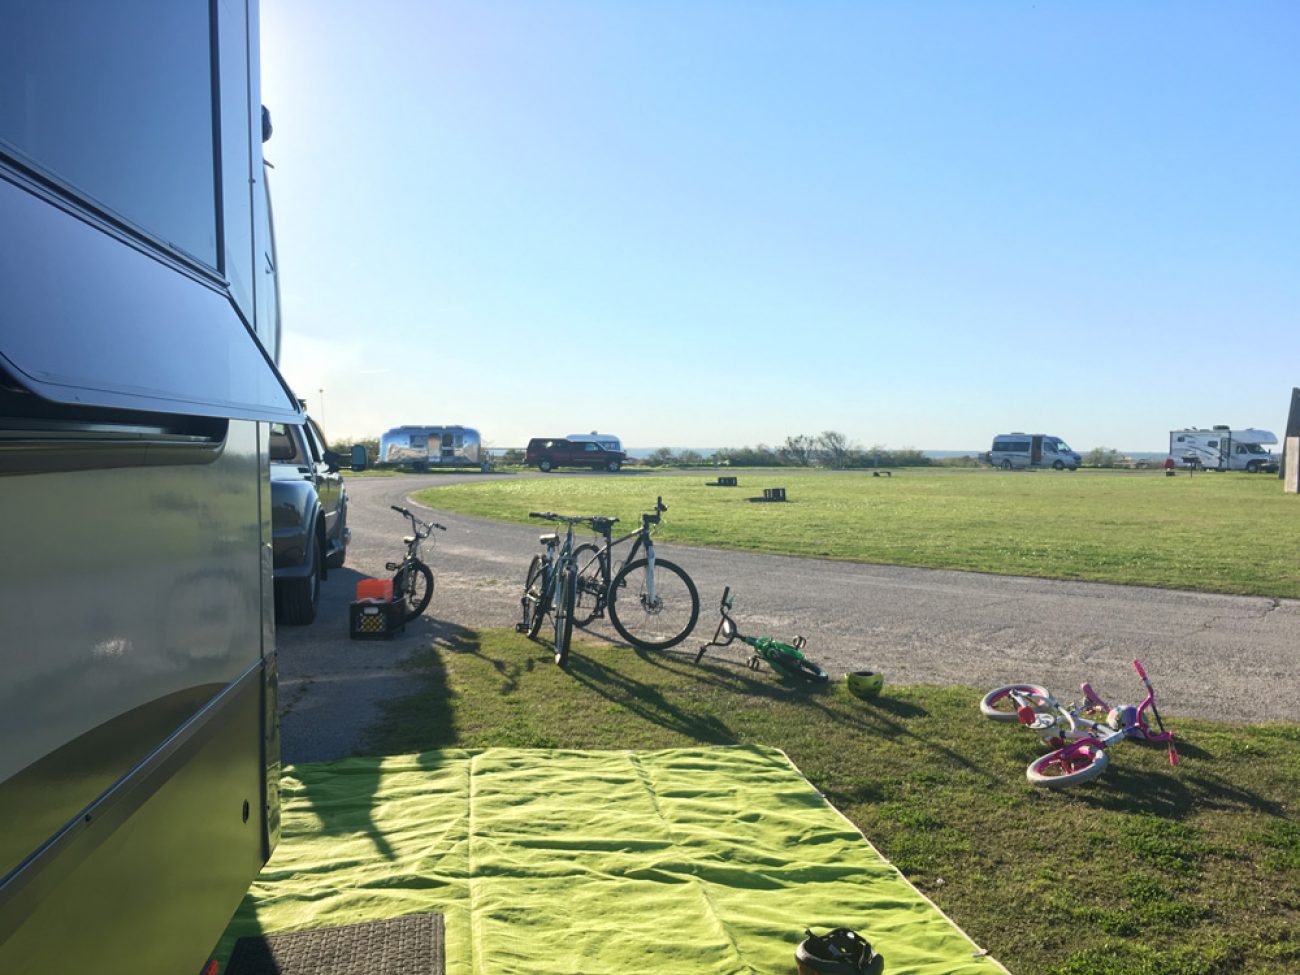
[412,579]
[652,602]
[1078,742]
[551,584]
[786,659]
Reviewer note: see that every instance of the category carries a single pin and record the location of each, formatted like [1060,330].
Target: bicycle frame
[604,557]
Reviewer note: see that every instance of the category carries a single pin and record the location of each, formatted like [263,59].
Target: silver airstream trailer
[420,446]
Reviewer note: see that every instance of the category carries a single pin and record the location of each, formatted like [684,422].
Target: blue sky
[722,223]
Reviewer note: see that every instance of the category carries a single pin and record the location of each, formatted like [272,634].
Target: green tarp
[693,860]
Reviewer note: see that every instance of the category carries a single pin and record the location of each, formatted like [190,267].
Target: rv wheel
[1253,467]
[1057,465]
[1006,465]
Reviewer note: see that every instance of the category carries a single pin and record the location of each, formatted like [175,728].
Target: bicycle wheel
[535,597]
[413,587]
[809,671]
[1000,704]
[1081,762]
[589,599]
[564,599]
[666,622]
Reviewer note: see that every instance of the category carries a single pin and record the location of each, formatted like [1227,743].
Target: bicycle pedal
[521,627]
[391,566]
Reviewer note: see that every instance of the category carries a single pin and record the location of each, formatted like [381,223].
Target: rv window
[1211,443]
[117,110]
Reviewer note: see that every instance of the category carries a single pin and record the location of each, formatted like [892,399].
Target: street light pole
[322,406]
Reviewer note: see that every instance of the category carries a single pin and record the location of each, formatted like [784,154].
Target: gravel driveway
[1230,657]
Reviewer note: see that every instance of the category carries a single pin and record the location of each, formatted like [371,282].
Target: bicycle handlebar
[1137,665]
[430,524]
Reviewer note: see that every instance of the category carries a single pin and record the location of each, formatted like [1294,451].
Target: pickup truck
[309,518]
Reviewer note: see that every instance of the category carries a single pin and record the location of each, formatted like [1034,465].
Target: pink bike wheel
[1069,766]
[1000,704]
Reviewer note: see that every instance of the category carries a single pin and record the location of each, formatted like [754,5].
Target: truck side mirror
[333,461]
[360,459]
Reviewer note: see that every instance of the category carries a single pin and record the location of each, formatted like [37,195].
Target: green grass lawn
[1150,870]
[1231,533]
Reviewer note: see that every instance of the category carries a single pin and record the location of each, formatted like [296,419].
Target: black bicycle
[412,579]
[551,585]
[652,602]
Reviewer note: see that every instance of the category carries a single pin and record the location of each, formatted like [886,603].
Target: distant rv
[1012,451]
[607,441]
[422,446]
[1224,449]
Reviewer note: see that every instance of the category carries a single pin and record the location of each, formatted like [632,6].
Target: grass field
[1230,533]
[1150,870]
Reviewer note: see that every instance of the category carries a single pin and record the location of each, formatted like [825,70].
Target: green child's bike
[786,659]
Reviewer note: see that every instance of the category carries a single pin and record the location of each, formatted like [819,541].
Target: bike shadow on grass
[1171,793]
[883,716]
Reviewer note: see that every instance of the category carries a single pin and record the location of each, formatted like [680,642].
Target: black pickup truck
[309,518]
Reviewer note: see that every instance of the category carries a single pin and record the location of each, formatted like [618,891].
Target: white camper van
[1223,449]
[1019,451]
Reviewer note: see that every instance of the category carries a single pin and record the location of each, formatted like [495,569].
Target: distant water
[642,452]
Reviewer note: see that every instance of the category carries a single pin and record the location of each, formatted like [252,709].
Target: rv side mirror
[360,460]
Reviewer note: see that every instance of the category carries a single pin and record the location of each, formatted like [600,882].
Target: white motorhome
[1018,451]
[605,440]
[1223,449]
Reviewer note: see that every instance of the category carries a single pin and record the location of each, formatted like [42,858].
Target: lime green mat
[692,860]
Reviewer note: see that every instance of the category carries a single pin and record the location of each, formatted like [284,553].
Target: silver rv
[424,446]
[138,335]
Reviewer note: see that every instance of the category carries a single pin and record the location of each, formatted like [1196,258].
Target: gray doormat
[411,945]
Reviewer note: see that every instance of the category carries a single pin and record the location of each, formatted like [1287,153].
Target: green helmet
[865,684]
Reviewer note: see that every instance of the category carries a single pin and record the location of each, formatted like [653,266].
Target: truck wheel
[296,600]
[545,466]
[613,466]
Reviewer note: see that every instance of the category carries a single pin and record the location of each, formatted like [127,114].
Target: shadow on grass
[883,716]
[424,719]
[648,703]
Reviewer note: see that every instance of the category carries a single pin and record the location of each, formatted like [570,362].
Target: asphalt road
[1227,657]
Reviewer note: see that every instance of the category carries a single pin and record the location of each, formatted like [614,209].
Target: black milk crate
[372,620]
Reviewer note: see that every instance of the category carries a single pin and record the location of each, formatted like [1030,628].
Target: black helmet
[840,952]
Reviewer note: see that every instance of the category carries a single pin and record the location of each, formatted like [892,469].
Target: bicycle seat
[408,539]
[602,525]
[550,538]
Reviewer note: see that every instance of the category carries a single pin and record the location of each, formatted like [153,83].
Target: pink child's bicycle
[1079,743]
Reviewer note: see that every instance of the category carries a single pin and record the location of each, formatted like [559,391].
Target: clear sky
[709,224]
